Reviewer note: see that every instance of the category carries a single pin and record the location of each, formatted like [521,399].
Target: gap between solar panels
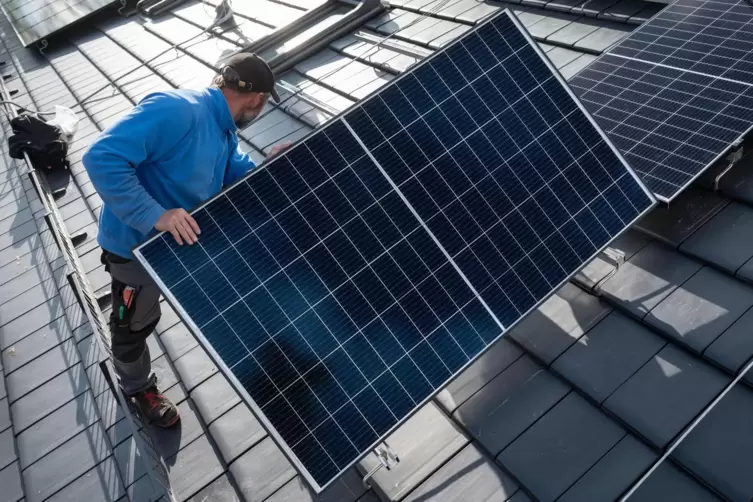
[676,96]
[343,284]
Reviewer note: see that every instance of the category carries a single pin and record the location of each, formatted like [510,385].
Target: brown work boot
[156,408]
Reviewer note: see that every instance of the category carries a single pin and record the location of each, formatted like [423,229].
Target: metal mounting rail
[88,302]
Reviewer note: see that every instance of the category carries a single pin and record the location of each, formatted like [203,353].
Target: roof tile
[214,397]
[651,275]
[194,367]
[261,471]
[10,480]
[562,446]
[608,355]
[101,483]
[7,448]
[720,448]
[236,431]
[219,490]
[474,477]
[666,394]
[34,345]
[424,442]
[667,482]
[42,369]
[510,403]
[613,473]
[697,312]
[55,429]
[66,463]
[722,240]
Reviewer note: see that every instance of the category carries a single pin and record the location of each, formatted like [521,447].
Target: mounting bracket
[387,460]
[732,159]
[616,258]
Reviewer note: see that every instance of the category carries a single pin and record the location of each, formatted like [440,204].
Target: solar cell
[343,284]
[37,19]
[676,94]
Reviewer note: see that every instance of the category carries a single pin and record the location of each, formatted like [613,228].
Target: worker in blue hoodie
[173,151]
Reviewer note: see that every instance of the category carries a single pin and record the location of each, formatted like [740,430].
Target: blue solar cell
[348,280]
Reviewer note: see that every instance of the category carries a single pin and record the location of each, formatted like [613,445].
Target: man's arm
[151,129]
[239,163]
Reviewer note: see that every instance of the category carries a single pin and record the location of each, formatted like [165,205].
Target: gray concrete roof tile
[168,319]
[605,357]
[673,224]
[347,489]
[562,446]
[194,367]
[214,397]
[101,483]
[194,468]
[734,347]
[559,56]
[668,482]
[131,463]
[697,312]
[499,356]
[98,380]
[666,394]
[576,65]
[49,397]
[10,480]
[574,32]
[3,390]
[613,473]
[66,463]
[4,414]
[24,302]
[510,403]
[166,377]
[722,240]
[559,322]
[261,471]
[720,448]
[551,23]
[424,442]
[7,448]
[648,277]
[623,10]
[236,431]
[219,490]
[599,268]
[57,428]
[31,321]
[34,345]
[42,369]
[178,340]
[473,475]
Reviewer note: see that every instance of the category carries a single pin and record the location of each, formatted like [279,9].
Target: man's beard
[244,119]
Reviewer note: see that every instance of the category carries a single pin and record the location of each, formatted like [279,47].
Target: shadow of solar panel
[37,19]
[677,94]
[347,281]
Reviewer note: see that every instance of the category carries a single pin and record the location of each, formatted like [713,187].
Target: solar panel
[713,37]
[37,19]
[676,94]
[343,284]
[669,124]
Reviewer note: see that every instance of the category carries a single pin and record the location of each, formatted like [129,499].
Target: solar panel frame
[29,36]
[342,118]
[629,50]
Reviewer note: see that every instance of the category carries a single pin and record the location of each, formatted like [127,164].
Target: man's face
[252,108]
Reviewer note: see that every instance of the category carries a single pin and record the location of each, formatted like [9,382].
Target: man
[168,155]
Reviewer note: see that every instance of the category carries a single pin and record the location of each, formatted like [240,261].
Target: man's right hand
[179,223]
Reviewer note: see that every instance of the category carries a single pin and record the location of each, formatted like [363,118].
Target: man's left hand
[278,149]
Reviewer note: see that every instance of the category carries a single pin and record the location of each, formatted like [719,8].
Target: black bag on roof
[46,144]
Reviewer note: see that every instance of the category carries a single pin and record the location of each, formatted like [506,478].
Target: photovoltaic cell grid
[683,98]
[669,124]
[36,19]
[346,282]
[713,37]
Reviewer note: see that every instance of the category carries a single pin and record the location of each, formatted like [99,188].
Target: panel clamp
[732,159]
[387,459]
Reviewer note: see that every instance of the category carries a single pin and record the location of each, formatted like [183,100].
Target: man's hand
[278,149]
[179,223]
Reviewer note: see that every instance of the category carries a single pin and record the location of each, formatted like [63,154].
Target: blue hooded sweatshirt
[175,149]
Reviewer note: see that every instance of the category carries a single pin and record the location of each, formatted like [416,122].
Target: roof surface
[574,404]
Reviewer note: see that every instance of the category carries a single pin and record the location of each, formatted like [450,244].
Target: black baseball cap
[246,71]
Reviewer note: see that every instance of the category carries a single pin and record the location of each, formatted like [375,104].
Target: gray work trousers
[129,328]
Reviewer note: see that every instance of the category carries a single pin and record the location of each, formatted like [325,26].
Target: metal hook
[123,5]
[41,46]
